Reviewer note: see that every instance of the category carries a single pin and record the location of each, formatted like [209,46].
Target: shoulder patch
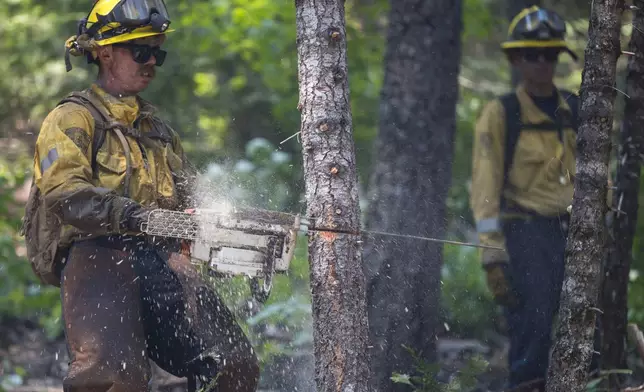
[80,138]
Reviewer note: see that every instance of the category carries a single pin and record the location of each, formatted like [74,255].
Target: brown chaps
[125,301]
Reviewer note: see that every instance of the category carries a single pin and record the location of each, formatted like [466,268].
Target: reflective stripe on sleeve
[488,225]
[49,160]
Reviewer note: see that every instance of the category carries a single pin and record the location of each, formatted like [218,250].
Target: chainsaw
[249,242]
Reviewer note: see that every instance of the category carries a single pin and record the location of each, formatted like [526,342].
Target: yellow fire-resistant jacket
[540,179]
[89,203]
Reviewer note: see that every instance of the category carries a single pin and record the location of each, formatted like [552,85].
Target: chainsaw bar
[175,224]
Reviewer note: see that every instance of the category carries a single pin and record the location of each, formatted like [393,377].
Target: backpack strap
[101,118]
[103,122]
[573,102]
[513,125]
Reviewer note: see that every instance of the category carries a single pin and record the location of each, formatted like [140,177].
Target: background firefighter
[523,172]
[102,161]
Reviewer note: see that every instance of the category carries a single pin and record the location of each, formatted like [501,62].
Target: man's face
[129,75]
[537,65]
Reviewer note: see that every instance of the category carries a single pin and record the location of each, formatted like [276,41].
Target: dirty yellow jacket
[541,177]
[91,203]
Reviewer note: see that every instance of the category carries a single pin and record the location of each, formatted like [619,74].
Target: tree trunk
[337,279]
[410,182]
[513,7]
[568,370]
[615,287]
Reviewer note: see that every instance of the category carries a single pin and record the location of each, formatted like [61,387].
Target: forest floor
[33,363]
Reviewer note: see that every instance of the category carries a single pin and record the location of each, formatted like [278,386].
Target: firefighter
[522,183]
[103,160]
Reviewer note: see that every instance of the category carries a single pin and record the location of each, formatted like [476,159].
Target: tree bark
[568,370]
[625,201]
[337,279]
[410,182]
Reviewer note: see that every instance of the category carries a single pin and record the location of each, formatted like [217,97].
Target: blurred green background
[229,87]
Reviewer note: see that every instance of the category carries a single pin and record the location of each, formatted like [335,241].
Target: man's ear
[513,56]
[105,54]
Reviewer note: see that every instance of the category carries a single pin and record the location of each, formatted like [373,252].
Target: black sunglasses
[533,55]
[142,53]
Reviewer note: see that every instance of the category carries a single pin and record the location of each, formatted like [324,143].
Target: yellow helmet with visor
[115,21]
[537,27]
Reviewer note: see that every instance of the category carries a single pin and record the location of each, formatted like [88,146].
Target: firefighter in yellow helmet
[522,183]
[103,160]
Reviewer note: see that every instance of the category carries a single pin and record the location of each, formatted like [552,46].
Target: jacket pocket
[111,170]
[529,160]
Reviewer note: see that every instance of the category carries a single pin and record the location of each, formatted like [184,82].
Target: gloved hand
[133,216]
[499,283]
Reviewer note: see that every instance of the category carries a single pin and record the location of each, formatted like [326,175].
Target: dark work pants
[536,248]
[125,301]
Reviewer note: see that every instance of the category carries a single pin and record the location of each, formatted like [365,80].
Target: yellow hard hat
[113,21]
[537,27]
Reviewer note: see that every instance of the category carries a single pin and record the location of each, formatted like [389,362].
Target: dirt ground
[29,362]
[32,363]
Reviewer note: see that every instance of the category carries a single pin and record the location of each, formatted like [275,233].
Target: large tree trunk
[573,347]
[615,287]
[337,279]
[410,182]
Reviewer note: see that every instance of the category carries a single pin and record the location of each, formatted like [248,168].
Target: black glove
[133,216]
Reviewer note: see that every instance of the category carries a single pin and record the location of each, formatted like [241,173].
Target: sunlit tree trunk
[625,200]
[570,362]
[337,280]
[410,182]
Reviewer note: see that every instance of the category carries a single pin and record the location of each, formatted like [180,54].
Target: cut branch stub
[338,75]
[334,34]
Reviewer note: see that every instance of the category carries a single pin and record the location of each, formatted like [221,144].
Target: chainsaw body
[250,242]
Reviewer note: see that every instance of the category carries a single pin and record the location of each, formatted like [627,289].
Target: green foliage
[287,310]
[425,380]
[262,178]
[636,286]
[595,384]
[229,87]
[468,304]
[20,293]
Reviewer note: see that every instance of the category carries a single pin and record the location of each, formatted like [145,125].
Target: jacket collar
[123,109]
[530,113]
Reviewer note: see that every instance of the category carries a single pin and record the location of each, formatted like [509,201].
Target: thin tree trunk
[572,351]
[337,280]
[410,182]
[625,200]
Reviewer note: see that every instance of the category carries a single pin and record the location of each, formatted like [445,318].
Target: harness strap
[103,122]
[128,160]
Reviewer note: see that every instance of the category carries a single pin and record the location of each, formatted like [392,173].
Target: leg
[536,263]
[187,323]
[101,313]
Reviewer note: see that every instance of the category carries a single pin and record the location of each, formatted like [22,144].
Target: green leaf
[401,379]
